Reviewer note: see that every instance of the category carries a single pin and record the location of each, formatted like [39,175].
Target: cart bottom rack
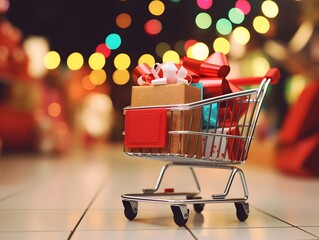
[221,142]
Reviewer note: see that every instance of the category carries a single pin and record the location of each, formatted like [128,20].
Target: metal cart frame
[243,111]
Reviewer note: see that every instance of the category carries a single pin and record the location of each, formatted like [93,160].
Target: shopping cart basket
[221,140]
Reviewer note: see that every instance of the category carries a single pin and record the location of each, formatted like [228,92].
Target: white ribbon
[171,75]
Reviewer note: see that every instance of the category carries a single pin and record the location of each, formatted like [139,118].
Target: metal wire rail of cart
[211,133]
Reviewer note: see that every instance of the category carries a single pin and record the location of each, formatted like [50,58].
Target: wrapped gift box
[171,94]
[222,146]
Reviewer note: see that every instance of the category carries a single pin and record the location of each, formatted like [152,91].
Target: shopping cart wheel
[242,210]
[181,213]
[130,209]
[198,207]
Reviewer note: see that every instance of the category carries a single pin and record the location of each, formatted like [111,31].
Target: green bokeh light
[224,26]
[236,15]
[203,20]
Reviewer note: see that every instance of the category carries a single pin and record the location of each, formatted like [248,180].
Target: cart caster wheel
[130,209]
[181,214]
[198,207]
[242,210]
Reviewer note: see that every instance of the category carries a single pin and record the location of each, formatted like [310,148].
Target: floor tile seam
[284,221]
[98,191]
[191,232]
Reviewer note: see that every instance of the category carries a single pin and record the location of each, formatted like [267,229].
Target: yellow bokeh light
[241,35]
[122,61]
[52,60]
[189,52]
[156,7]
[294,85]
[261,24]
[75,61]
[54,109]
[96,61]
[200,51]
[270,8]
[98,77]
[121,77]
[221,45]
[147,58]
[171,56]
[260,66]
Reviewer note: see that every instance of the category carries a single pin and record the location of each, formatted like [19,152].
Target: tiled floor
[78,196]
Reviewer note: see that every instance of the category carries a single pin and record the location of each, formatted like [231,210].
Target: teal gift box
[209,112]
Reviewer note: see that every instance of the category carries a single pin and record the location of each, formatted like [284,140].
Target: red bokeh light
[102,48]
[153,27]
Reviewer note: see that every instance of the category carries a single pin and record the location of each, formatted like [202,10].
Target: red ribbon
[143,70]
[215,66]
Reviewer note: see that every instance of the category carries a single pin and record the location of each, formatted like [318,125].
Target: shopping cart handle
[273,74]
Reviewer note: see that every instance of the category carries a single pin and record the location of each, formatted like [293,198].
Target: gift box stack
[172,84]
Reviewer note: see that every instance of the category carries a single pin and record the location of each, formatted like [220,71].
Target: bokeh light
[102,48]
[269,8]
[236,15]
[97,115]
[123,20]
[96,61]
[146,58]
[243,5]
[54,109]
[171,56]
[204,4]
[161,48]
[200,51]
[121,77]
[190,52]
[156,7]
[261,24]
[221,45]
[203,20]
[122,61]
[52,60]
[113,41]
[87,84]
[75,61]
[98,77]
[153,27]
[260,66]
[4,6]
[189,43]
[241,35]
[224,26]
[294,87]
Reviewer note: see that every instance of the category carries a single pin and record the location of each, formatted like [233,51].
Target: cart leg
[195,179]
[161,176]
[159,180]
[229,183]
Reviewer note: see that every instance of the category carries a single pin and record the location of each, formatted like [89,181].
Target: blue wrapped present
[209,112]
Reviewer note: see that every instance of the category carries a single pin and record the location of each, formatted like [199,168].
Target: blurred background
[66,66]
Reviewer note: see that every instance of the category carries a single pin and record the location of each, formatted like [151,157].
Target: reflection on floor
[78,196]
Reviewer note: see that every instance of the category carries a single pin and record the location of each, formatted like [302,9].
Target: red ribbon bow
[215,66]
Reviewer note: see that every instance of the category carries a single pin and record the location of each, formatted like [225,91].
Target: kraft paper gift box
[171,94]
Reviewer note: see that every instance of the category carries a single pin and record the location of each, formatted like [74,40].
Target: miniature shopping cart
[173,133]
